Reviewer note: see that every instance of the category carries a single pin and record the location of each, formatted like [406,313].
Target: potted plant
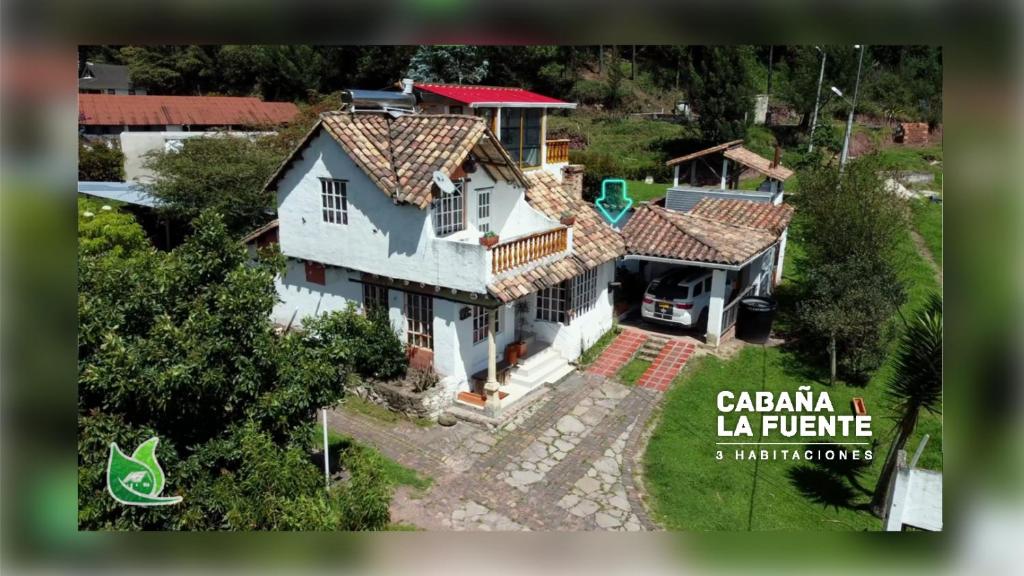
[511,353]
[567,218]
[489,239]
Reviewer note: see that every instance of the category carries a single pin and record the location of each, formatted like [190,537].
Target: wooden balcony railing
[522,251]
[557,151]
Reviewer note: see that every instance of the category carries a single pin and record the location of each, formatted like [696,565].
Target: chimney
[407,85]
[572,180]
[778,156]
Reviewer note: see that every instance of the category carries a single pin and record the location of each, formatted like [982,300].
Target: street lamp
[853,106]
[817,100]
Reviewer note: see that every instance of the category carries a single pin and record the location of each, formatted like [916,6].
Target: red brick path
[618,353]
[667,365]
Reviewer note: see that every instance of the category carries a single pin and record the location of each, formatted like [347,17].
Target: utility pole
[632,69]
[817,100]
[853,106]
[600,59]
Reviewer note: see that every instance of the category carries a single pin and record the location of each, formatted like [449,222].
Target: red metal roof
[482,95]
[112,110]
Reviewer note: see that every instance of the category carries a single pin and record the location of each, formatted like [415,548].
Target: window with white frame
[483,209]
[449,210]
[480,323]
[584,292]
[551,303]
[419,317]
[334,199]
[374,296]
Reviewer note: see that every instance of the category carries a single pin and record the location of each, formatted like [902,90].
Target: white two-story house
[495,284]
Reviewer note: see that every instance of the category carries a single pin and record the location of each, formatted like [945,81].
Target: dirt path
[925,253]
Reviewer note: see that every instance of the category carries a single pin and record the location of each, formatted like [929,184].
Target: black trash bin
[755,319]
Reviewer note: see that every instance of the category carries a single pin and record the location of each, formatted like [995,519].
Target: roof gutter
[566,105]
[719,266]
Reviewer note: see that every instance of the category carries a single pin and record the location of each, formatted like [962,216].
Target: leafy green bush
[589,92]
[369,342]
[364,501]
[100,163]
[180,345]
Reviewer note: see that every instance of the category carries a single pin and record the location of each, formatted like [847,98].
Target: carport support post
[725,172]
[781,257]
[715,306]
[675,175]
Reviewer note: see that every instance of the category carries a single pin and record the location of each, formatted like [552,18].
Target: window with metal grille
[551,303]
[483,209]
[584,292]
[449,210]
[419,317]
[480,323]
[374,297]
[334,200]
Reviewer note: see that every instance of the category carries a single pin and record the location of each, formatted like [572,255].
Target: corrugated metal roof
[497,95]
[127,192]
[115,110]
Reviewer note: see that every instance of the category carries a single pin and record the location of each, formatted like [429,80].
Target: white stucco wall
[380,237]
[571,340]
[300,298]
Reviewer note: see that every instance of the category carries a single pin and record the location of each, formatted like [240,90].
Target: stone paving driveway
[563,463]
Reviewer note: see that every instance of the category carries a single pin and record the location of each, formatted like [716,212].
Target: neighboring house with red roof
[142,124]
[429,217]
[517,116]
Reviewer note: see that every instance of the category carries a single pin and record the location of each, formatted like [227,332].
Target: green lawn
[591,354]
[640,191]
[359,406]
[397,474]
[691,490]
[633,370]
[927,218]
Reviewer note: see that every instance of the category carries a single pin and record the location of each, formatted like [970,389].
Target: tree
[722,90]
[179,345]
[224,173]
[100,163]
[915,385]
[452,63]
[850,289]
[188,70]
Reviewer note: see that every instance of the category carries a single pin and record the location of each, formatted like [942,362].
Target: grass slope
[927,218]
[691,490]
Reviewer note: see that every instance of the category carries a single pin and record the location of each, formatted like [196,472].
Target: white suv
[680,297]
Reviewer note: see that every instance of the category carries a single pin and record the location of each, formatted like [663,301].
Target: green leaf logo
[137,480]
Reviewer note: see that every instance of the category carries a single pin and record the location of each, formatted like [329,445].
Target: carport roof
[687,236]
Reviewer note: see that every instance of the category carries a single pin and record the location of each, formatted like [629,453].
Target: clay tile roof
[113,110]
[760,215]
[656,231]
[594,241]
[401,154]
[758,162]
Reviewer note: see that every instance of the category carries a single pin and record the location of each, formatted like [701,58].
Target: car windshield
[670,288]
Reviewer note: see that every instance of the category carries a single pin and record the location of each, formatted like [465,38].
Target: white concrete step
[544,367]
[539,361]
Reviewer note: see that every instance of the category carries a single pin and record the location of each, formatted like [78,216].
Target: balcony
[557,151]
[529,249]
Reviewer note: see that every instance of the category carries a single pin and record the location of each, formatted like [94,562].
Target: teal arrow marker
[614,201]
